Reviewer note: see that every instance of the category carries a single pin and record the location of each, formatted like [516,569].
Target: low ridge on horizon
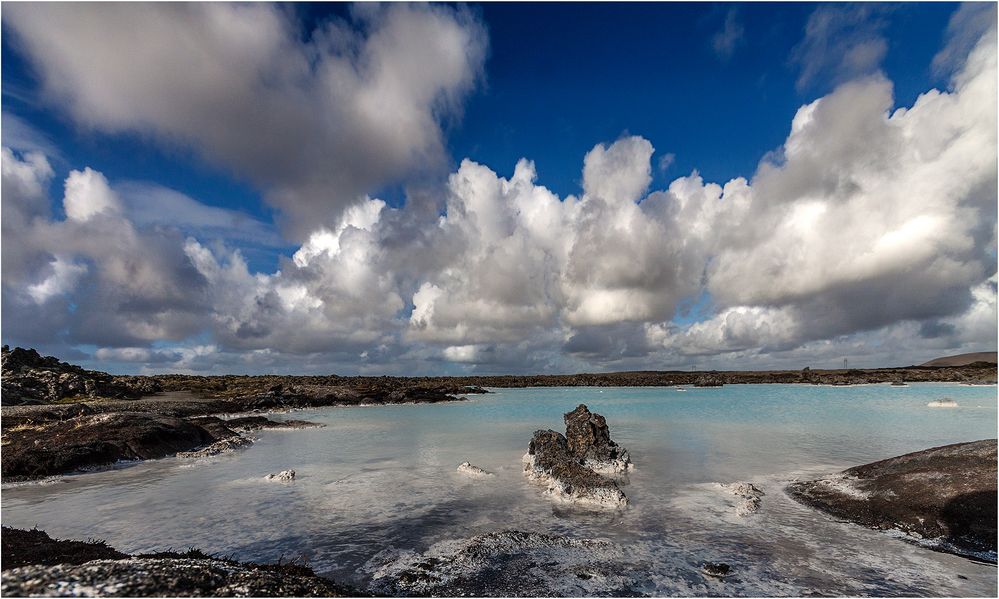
[964,359]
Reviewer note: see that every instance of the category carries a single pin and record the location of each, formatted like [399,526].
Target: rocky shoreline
[943,497]
[37,565]
[86,442]
[59,418]
[29,378]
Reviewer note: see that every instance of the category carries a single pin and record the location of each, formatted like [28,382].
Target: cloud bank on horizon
[869,233]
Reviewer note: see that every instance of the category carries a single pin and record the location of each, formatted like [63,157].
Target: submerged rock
[474,471]
[283,476]
[942,403]
[749,494]
[945,495]
[573,468]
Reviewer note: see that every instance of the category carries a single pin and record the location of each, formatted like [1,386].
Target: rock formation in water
[588,440]
[36,565]
[716,569]
[749,495]
[468,469]
[284,476]
[573,467]
[946,495]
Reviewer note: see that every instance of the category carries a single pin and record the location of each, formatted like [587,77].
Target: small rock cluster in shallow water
[473,471]
[283,476]
[942,403]
[577,467]
[749,494]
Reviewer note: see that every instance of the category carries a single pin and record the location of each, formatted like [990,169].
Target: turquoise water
[383,478]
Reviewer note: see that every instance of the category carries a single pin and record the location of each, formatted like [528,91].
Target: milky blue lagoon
[382,479]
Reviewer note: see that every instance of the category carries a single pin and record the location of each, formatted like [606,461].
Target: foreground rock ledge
[577,468]
[944,496]
[52,568]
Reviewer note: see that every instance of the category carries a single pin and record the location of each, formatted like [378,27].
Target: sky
[499,188]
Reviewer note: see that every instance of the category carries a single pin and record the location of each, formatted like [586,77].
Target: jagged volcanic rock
[589,441]
[31,378]
[569,466]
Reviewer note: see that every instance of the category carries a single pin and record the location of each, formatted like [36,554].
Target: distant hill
[964,359]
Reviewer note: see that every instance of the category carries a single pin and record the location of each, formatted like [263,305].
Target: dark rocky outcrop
[36,565]
[573,468]
[31,378]
[34,547]
[100,440]
[588,440]
[716,569]
[945,494]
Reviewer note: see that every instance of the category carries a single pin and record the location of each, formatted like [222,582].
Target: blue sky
[712,87]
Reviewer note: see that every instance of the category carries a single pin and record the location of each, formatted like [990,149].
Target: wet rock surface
[588,440]
[509,563]
[99,440]
[84,440]
[36,565]
[285,476]
[748,495]
[568,467]
[473,471]
[220,447]
[256,423]
[946,495]
[716,569]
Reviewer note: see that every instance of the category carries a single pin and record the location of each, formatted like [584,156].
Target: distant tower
[844,363]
